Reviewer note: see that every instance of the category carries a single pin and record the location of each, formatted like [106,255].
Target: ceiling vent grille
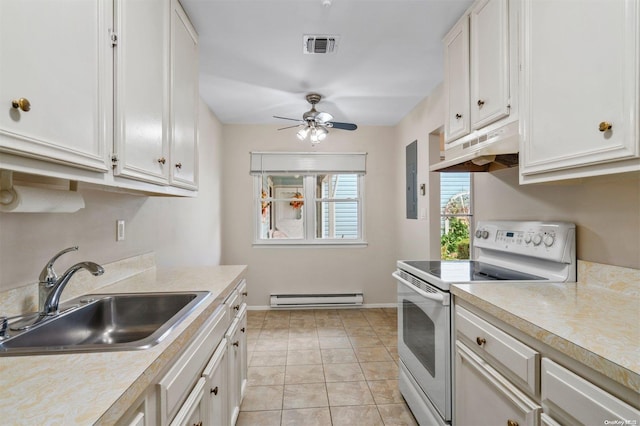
[319,44]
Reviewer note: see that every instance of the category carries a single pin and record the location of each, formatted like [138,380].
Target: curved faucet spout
[53,300]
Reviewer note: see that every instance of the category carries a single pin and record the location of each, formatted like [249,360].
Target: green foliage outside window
[454,242]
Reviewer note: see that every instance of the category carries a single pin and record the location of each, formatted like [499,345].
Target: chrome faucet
[51,286]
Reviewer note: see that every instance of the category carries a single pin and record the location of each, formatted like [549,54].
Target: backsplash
[25,299]
[624,280]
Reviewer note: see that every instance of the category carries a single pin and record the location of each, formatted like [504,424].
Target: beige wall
[312,269]
[181,231]
[606,211]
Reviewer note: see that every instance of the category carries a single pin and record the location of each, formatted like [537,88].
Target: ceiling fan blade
[290,127]
[324,117]
[342,126]
[287,118]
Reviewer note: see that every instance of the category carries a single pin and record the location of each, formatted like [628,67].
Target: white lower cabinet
[569,399]
[479,386]
[217,387]
[237,337]
[193,411]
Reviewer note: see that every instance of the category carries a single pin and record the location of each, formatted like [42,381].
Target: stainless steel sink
[105,322]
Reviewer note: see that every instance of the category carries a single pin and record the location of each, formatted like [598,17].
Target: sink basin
[105,322]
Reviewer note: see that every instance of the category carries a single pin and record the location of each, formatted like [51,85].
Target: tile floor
[323,367]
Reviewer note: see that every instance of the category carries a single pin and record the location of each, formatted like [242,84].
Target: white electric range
[509,251]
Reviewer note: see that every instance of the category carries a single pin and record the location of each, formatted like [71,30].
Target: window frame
[470,216]
[310,213]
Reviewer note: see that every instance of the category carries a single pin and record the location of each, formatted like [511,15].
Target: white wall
[312,269]
[181,231]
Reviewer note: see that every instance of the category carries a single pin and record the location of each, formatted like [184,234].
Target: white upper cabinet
[580,90]
[55,103]
[184,100]
[481,68]
[489,38]
[456,82]
[142,90]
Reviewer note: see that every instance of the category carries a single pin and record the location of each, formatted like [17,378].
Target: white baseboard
[364,306]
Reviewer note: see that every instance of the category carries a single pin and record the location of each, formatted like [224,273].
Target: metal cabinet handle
[480,103]
[236,343]
[162,160]
[178,165]
[214,391]
[198,424]
[604,126]
[237,307]
[245,293]
[512,423]
[481,341]
[458,116]
[242,329]
[22,103]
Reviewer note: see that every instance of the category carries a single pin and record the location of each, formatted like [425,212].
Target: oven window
[418,333]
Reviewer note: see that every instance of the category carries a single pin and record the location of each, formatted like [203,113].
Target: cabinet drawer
[176,384]
[242,292]
[233,302]
[192,412]
[518,358]
[570,399]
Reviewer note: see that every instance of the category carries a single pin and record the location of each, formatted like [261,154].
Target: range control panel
[547,240]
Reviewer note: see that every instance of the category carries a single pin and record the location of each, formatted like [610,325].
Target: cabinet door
[456,80]
[216,388]
[235,365]
[192,412]
[478,386]
[242,337]
[184,100]
[55,54]
[580,62]
[489,34]
[142,90]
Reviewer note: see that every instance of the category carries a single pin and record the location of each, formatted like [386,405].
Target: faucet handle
[48,274]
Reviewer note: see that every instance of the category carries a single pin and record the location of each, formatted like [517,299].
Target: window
[456,214]
[300,201]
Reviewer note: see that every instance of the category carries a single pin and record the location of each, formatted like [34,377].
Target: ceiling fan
[315,123]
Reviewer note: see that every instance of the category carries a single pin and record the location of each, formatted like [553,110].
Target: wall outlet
[120,230]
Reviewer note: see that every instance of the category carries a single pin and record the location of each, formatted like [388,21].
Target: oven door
[424,339]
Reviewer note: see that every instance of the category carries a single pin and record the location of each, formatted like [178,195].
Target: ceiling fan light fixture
[303,133]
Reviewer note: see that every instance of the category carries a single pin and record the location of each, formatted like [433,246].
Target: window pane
[455,205]
[337,219]
[282,207]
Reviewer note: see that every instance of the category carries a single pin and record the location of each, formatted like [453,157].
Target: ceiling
[389,57]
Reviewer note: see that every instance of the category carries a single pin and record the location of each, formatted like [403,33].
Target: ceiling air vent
[321,44]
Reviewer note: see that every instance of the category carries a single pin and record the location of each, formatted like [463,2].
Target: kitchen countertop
[596,326]
[88,388]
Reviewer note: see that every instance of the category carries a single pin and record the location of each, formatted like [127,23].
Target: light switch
[120,230]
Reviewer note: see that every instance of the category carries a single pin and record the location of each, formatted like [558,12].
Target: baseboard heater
[313,300]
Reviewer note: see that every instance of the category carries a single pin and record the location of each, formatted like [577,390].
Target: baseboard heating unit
[313,300]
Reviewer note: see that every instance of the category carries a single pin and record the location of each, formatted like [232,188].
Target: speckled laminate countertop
[88,388]
[596,326]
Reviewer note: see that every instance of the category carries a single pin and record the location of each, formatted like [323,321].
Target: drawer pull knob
[512,423]
[480,103]
[245,293]
[22,103]
[242,329]
[198,424]
[162,160]
[604,126]
[481,341]
[214,390]
[237,307]
[458,116]
[236,343]
[178,165]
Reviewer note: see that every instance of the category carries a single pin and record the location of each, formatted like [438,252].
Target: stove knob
[527,238]
[537,239]
[485,234]
[478,233]
[549,240]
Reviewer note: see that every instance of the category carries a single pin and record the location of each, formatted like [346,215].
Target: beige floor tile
[334,342]
[397,414]
[304,357]
[297,343]
[385,391]
[306,417]
[278,333]
[261,398]
[305,396]
[355,322]
[364,415]
[361,331]
[296,374]
[260,376]
[388,340]
[379,370]
[268,358]
[259,418]
[343,372]
[303,332]
[370,354]
[349,393]
[365,341]
[338,356]
[275,324]
[271,345]
[332,331]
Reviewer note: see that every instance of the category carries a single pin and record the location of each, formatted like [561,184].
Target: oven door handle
[438,297]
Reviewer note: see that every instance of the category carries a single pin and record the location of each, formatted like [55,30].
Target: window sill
[309,244]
